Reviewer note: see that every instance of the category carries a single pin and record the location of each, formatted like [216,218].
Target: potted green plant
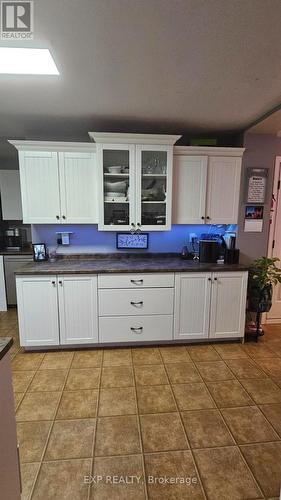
[263,275]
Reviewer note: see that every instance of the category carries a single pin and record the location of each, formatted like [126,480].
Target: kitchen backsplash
[87,238]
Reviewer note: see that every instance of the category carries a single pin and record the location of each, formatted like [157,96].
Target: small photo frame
[132,241]
[39,252]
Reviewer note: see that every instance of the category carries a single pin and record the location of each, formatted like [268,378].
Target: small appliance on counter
[208,251]
[231,255]
[15,238]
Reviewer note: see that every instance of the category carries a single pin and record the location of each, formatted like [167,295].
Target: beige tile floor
[208,414]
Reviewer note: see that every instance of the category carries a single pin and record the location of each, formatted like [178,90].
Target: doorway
[274,242]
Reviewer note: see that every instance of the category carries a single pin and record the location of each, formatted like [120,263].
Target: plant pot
[260,299]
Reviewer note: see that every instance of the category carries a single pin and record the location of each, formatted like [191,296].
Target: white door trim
[276,197]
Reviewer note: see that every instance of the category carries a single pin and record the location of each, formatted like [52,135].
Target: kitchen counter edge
[5,345]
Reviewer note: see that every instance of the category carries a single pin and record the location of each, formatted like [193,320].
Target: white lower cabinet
[57,310]
[73,309]
[210,305]
[78,309]
[38,313]
[192,305]
[228,305]
[136,328]
[130,302]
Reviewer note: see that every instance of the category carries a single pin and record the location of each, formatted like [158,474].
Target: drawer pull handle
[138,329]
[136,281]
[137,303]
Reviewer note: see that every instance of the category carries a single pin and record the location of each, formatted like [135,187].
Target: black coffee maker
[208,251]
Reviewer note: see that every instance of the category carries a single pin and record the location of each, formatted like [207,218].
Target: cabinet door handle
[208,218]
[137,303]
[57,217]
[63,217]
[60,282]
[136,281]
[209,279]
[203,218]
[53,283]
[133,228]
[216,279]
[138,329]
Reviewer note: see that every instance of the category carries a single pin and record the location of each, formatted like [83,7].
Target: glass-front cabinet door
[153,187]
[117,200]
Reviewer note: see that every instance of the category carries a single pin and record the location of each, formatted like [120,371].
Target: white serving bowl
[116,187]
[115,169]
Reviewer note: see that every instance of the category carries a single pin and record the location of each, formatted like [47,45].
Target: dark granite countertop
[123,263]
[5,344]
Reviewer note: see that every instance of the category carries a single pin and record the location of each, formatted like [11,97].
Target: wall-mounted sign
[128,240]
[256,185]
[253,219]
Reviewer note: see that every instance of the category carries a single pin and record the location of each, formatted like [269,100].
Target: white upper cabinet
[189,189]
[39,176]
[206,185]
[58,182]
[10,195]
[223,189]
[135,181]
[78,187]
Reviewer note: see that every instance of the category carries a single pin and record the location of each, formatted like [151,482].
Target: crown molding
[147,139]
[207,151]
[53,146]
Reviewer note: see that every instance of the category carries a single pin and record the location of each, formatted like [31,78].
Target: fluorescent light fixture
[27,61]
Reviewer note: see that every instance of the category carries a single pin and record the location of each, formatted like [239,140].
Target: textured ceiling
[147,66]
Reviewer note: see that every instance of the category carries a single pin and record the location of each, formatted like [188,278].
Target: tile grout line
[51,428]
[96,426]
[233,437]
[182,424]
[139,429]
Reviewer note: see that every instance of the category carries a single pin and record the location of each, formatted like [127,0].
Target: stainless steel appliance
[208,251]
[15,238]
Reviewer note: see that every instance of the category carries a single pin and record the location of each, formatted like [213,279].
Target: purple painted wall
[87,238]
[261,151]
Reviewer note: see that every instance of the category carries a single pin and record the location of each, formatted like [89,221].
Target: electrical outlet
[192,236]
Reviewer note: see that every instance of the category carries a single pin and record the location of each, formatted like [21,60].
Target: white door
[192,305]
[78,187]
[78,309]
[39,175]
[228,304]
[223,188]
[274,315]
[38,310]
[154,166]
[189,189]
[116,173]
[10,195]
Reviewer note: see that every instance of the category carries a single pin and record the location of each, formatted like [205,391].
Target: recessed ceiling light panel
[27,61]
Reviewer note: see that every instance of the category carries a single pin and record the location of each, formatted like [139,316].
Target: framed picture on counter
[39,252]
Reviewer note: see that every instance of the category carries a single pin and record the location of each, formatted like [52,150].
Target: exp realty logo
[17,20]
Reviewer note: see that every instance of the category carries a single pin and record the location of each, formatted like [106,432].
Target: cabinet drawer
[136,302]
[135,328]
[136,280]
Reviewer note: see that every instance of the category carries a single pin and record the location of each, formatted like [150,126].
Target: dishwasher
[11,264]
